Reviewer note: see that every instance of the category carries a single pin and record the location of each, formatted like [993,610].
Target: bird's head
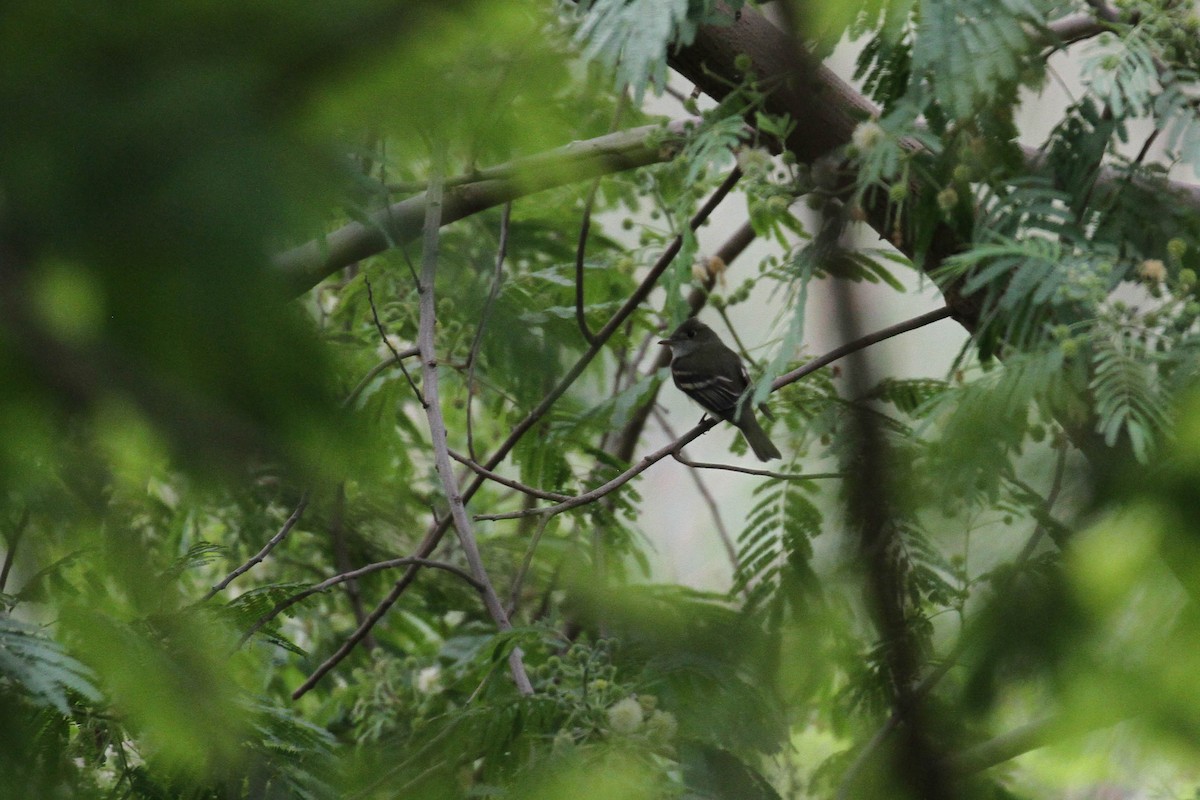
[687,337]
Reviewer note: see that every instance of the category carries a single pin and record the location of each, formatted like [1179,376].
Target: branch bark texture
[303,267]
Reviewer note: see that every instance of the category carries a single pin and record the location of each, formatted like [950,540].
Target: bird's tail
[756,437]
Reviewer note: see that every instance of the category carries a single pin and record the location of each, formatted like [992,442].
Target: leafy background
[976,581]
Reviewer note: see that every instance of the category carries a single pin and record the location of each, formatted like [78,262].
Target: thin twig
[766,473]
[341,557]
[858,344]
[374,372]
[12,541]
[388,342]
[737,340]
[615,483]
[580,250]
[585,226]
[515,594]
[479,469]
[412,270]
[362,630]
[354,575]
[264,552]
[1039,531]
[391,563]
[473,354]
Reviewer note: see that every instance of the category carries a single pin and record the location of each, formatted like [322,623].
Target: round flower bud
[947,199]
[1176,249]
[625,716]
[867,136]
[1152,270]
[429,680]
[662,725]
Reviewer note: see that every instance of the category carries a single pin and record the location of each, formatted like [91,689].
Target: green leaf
[631,37]
[968,48]
[41,668]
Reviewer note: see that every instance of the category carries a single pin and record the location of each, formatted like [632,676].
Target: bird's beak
[667,342]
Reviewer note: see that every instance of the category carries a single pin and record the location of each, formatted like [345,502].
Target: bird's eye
[691,334]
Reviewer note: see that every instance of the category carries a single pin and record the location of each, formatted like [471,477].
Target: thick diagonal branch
[305,266]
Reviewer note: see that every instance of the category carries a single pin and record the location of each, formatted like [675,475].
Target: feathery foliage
[239,561]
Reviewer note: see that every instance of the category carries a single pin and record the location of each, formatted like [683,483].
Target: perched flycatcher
[715,377]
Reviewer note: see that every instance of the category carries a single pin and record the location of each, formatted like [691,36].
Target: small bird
[715,377]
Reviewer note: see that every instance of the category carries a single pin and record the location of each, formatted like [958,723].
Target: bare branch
[305,266]
[804,89]
[616,483]
[1005,747]
[433,220]
[1030,736]
[388,342]
[861,343]
[532,491]
[437,431]
[354,575]
[341,557]
[1072,28]
[765,473]
[514,596]
[374,371]
[258,557]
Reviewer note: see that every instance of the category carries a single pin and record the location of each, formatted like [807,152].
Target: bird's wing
[717,393]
